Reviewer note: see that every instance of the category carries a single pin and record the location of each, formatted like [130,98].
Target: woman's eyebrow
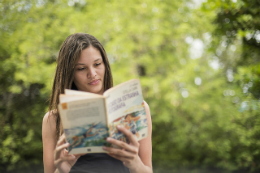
[97,59]
[80,64]
[94,61]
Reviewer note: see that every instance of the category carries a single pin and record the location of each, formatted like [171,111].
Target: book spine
[106,111]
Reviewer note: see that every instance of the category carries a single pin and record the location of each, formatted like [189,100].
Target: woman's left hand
[127,153]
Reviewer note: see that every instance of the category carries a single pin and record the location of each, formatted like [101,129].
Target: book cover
[88,119]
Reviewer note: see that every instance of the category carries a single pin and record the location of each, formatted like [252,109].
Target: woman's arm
[49,142]
[55,155]
[145,148]
[137,156]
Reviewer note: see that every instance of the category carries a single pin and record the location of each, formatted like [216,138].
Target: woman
[82,64]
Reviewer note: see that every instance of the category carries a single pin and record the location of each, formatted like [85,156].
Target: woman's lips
[94,82]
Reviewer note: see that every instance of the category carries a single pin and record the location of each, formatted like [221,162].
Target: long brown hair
[68,57]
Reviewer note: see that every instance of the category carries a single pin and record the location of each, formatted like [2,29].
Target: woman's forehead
[89,55]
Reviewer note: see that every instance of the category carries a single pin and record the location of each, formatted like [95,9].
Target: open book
[88,119]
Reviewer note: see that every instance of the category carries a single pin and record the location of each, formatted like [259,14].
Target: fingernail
[104,148]
[119,126]
[109,139]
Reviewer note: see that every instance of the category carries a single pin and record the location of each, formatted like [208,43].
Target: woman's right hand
[62,161]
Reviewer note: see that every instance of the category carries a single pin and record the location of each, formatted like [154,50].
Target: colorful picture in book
[134,121]
[86,136]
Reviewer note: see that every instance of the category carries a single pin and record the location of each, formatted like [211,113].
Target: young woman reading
[82,64]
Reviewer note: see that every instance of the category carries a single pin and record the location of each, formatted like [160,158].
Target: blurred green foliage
[198,65]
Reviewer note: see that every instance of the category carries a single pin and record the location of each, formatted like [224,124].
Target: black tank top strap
[98,163]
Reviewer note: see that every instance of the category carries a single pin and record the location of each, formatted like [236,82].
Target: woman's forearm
[142,169]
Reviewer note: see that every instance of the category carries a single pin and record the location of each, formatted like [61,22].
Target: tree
[235,44]
[201,118]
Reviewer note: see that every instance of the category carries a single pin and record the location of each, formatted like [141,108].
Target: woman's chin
[97,91]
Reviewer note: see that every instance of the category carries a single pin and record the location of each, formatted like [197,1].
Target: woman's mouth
[94,82]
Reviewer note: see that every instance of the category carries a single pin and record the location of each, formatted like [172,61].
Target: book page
[125,107]
[85,125]
[69,98]
[81,93]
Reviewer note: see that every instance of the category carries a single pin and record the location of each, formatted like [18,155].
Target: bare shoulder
[149,123]
[49,126]
[49,116]
[49,120]
[148,114]
[146,106]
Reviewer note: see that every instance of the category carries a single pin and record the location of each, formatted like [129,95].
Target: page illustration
[134,121]
[88,135]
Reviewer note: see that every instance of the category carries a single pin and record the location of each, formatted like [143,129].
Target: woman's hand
[128,153]
[62,161]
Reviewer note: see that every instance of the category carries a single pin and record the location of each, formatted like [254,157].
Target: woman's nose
[91,73]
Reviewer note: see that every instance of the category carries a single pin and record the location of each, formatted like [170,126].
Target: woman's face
[90,71]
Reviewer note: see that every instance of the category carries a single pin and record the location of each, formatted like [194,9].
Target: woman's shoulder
[50,116]
[49,121]
[146,106]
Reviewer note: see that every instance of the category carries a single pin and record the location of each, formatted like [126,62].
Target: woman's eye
[80,69]
[97,64]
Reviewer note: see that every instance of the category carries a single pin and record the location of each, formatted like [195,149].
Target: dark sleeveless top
[98,163]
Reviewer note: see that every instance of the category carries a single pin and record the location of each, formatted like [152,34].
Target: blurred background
[198,62]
